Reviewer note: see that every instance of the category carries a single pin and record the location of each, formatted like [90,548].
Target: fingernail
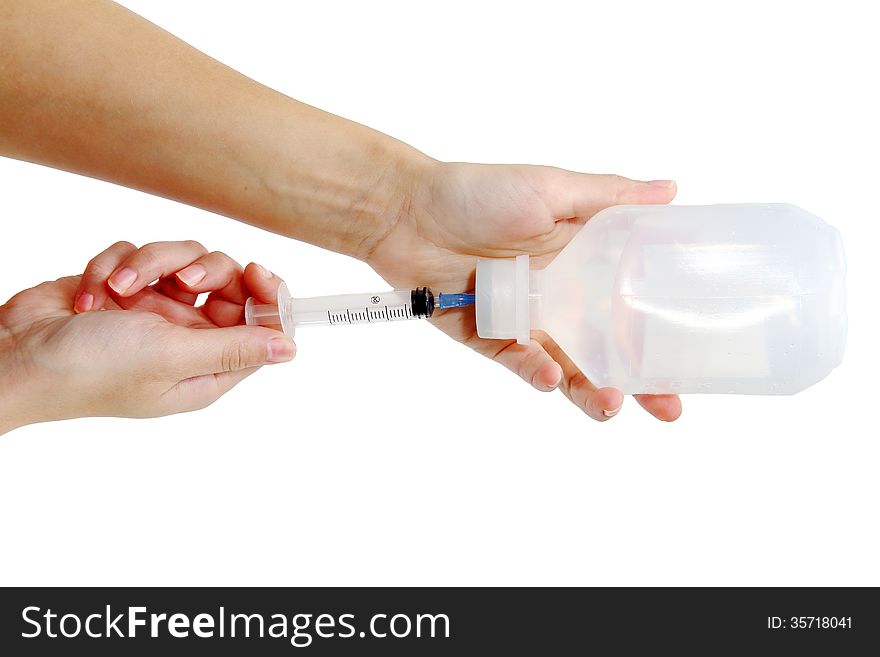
[122,280]
[280,350]
[83,302]
[265,273]
[612,412]
[192,275]
[666,184]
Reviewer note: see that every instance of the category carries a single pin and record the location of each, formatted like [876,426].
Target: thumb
[211,351]
[585,194]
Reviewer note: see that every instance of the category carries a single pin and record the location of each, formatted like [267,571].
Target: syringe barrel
[354,308]
[366,308]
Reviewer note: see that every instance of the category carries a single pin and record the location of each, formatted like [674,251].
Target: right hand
[150,351]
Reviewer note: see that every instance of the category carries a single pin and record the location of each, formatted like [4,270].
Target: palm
[474,211]
[44,316]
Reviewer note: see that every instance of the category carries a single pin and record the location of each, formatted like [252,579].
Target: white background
[393,455]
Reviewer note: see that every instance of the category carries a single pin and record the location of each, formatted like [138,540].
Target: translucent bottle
[683,299]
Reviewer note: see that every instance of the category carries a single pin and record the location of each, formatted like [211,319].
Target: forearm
[90,87]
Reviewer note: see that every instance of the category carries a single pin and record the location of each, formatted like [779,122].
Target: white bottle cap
[503,298]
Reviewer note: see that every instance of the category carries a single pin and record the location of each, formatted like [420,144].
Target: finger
[663,407]
[91,294]
[151,262]
[532,363]
[600,404]
[584,194]
[261,283]
[169,287]
[214,272]
[151,300]
[223,312]
[231,286]
[211,351]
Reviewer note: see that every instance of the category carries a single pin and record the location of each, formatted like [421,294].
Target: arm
[90,87]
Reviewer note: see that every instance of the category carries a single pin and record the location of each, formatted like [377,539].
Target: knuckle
[234,357]
[226,262]
[148,257]
[94,264]
[530,365]
[194,245]
[619,186]
[97,271]
[46,287]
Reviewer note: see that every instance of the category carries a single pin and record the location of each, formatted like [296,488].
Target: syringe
[367,308]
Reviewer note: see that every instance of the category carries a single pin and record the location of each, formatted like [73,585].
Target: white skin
[81,78]
[150,352]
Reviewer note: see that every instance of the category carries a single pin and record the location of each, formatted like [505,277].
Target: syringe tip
[456,300]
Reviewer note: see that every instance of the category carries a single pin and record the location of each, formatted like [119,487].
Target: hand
[150,351]
[460,212]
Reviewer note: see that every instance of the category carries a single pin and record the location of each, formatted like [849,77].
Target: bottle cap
[503,298]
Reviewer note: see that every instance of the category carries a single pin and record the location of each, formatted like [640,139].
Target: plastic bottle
[683,299]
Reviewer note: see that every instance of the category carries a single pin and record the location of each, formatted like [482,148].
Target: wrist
[393,199]
[10,407]
[348,192]
[17,401]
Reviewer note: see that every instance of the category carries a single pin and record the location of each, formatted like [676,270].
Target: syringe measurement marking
[368,315]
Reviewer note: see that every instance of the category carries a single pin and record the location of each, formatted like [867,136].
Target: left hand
[461,212]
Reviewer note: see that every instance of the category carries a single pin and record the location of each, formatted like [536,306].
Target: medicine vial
[744,298]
